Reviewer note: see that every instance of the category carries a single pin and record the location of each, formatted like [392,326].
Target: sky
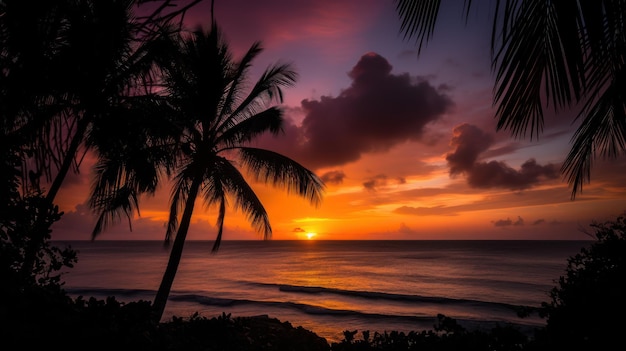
[406,144]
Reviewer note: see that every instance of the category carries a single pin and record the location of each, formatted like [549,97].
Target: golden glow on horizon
[310,236]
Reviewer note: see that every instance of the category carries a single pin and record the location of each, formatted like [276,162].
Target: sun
[310,236]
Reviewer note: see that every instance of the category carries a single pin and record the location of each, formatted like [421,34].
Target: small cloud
[375,182]
[405,229]
[508,222]
[382,180]
[333,177]
[298,230]
[503,222]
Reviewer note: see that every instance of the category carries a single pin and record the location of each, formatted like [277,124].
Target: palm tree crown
[205,144]
[217,121]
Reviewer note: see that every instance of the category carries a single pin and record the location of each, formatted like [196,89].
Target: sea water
[332,286]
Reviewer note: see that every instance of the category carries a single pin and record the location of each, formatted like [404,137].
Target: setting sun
[310,236]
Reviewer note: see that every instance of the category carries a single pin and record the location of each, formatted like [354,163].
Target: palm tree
[558,54]
[71,69]
[95,66]
[213,121]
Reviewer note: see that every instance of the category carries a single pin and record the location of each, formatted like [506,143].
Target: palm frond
[113,194]
[269,120]
[237,81]
[198,75]
[224,178]
[281,171]
[118,182]
[603,132]
[112,206]
[418,19]
[532,56]
[266,89]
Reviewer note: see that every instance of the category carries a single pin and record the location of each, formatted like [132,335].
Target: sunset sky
[407,145]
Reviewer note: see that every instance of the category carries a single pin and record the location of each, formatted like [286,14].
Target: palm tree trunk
[175,254]
[40,229]
[69,158]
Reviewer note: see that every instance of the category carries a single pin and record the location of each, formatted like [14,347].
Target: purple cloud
[470,142]
[376,112]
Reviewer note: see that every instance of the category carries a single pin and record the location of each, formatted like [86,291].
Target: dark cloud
[298,230]
[471,142]
[378,111]
[496,174]
[333,177]
[381,180]
[542,221]
[508,222]
[375,182]
[503,222]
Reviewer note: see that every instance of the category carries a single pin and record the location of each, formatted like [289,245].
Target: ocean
[332,286]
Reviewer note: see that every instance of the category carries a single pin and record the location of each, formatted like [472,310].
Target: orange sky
[407,145]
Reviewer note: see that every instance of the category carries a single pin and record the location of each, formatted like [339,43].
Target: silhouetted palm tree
[69,69]
[29,41]
[215,116]
[559,54]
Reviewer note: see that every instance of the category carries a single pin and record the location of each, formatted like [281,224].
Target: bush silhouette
[588,303]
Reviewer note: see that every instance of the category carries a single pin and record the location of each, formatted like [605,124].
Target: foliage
[108,324]
[68,66]
[591,294]
[58,321]
[68,69]
[446,335]
[241,333]
[559,55]
[25,222]
[28,297]
[22,231]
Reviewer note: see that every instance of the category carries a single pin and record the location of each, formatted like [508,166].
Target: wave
[306,308]
[80,291]
[393,297]
[320,311]
[469,323]
[297,289]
